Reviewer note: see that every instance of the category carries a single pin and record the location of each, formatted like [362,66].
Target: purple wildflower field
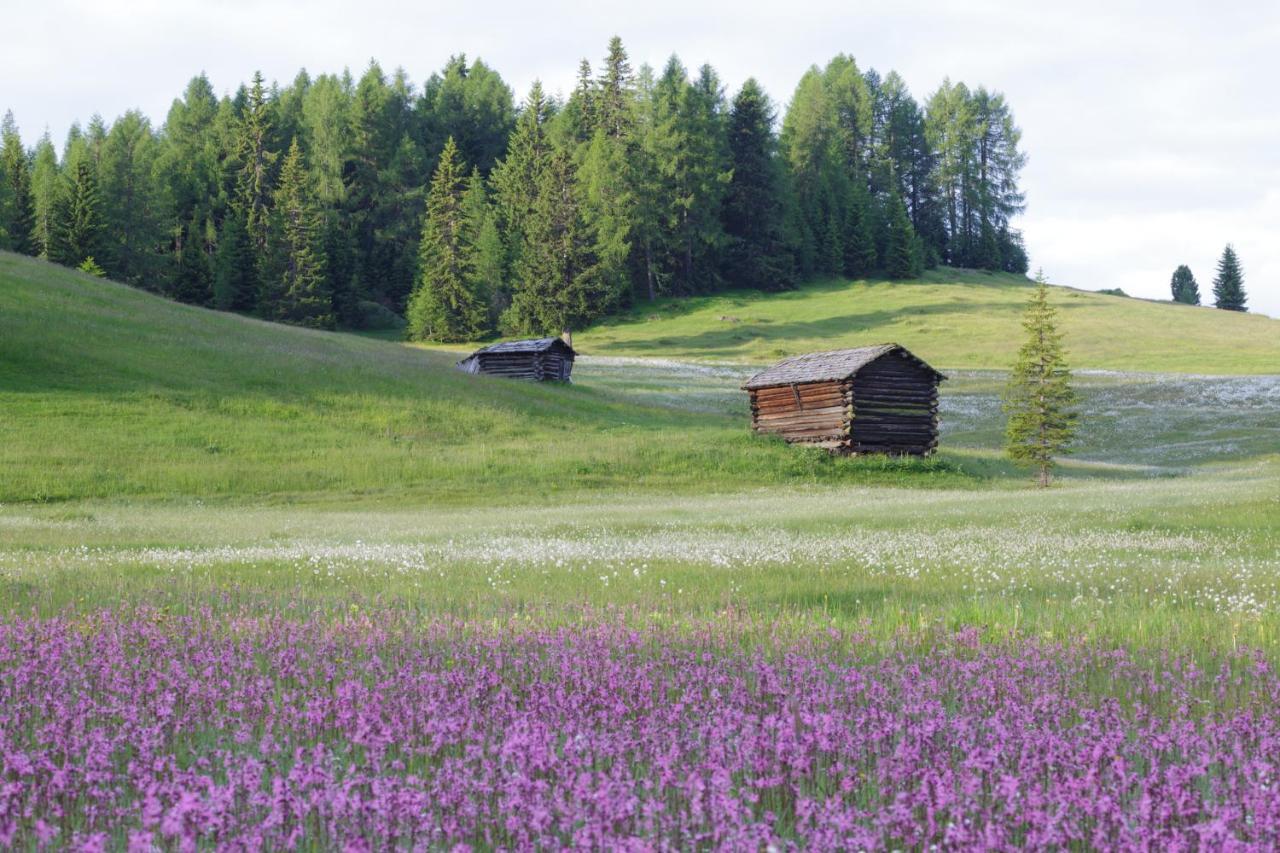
[140,730]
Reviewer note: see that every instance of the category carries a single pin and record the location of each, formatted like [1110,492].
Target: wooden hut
[538,360]
[878,399]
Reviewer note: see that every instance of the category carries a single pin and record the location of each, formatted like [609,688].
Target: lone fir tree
[1228,286]
[1038,399]
[1184,286]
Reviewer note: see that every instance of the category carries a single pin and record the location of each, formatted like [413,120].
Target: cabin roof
[829,366]
[526,346]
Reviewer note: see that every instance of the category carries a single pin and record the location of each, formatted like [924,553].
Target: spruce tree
[1228,285]
[515,179]
[487,278]
[77,219]
[17,205]
[859,239]
[255,162]
[1184,286]
[192,281]
[757,255]
[1038,398]
[295,288]
[901,253]
[559,281]
[235,268]
[443,307]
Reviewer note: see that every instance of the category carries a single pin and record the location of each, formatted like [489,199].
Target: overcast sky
[1152,128]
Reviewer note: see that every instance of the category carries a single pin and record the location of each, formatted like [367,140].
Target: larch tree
[1184,287]
[295,288]
[901,254]
[443,307]
[45,181]
[1038,398]
[1228,285]
[17,204]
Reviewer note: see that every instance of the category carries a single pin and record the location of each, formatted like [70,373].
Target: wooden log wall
[533,366]
[895,408]
[815,413]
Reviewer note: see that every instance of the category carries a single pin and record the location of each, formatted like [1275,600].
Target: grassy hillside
[109,391]
[951,318]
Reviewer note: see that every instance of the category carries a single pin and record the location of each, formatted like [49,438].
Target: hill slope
[955,319]
[107,391]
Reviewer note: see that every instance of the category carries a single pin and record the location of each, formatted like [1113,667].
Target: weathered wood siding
[534,366]
[895,407]
[817,412]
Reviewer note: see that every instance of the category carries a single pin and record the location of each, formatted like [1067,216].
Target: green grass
[111,392]
[153,452]
[951,318]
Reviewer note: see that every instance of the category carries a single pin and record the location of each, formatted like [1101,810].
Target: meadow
[280,588]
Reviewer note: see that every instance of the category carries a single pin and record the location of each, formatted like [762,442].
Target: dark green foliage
[859,235]
[17,204]
[660,188]
[758,255]
[902,255]
[192,282]
[1228,285]
[1039,397]
[294,286]
[444,307]
[1184,286]
[560,283]
[254,167]
[472,105]
[77,226]
[235,269]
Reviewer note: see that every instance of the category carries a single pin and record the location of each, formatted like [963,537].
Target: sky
[1152,129]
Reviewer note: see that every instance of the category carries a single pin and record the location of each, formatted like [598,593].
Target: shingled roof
[829,366]
[531,345]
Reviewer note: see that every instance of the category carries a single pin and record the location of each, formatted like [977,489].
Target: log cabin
[537,360]
[876,399]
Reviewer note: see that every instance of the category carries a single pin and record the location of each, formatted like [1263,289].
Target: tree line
[333,201]
[1228,284]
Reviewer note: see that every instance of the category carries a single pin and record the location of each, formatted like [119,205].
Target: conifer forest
[332,201]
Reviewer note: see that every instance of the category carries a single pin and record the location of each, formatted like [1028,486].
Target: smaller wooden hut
[537,360]
[877,399]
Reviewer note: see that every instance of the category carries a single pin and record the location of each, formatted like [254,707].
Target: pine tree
[77,218]
[1184,286]
[1038,398]
[17,206]
[1228,285]
[901,253]
[295,288]
[443,308]
[757,255]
